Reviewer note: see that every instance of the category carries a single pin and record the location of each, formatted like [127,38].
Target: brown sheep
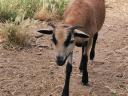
[82,21]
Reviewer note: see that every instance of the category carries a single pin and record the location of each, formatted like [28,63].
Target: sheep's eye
[54,39]
[68,40]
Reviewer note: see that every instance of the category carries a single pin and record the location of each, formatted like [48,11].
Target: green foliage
[55,5]
[6,11]
[10,9]
[29,7]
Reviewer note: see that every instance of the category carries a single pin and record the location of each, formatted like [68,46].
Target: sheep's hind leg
[83,66]
[67,79]
[85,55]
[82,60]
[85,71]
[92,53]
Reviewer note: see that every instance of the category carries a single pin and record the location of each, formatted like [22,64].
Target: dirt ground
[33,72]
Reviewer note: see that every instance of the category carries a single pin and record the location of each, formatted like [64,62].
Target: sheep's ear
[81,34]
[46,31]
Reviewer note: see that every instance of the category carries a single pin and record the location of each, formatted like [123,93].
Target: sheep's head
[63,37]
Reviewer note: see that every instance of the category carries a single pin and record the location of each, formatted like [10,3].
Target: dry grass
[43,14]
[14,36]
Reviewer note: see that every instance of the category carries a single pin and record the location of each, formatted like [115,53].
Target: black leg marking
[92,53]
[83,67]
[82,60]
[85,71]
[67,81]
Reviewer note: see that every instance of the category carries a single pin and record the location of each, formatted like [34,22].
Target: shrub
[15,36]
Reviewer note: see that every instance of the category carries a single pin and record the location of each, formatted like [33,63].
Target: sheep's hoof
[65,93]
[85,83]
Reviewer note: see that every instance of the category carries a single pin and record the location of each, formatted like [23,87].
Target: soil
[33,72]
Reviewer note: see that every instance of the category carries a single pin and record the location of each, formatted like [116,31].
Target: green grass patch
[10,9]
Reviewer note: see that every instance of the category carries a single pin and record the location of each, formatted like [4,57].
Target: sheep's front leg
[68,74]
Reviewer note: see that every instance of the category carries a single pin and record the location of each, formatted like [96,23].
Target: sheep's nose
[60,60]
